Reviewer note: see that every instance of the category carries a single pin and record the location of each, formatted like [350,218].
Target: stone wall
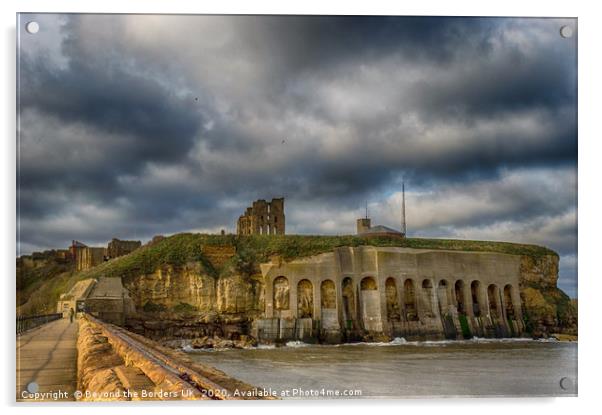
[117,248]
[106,363]
[88,257]
[96,363]
[114,361]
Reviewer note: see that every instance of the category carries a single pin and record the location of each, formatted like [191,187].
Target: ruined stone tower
[262,218]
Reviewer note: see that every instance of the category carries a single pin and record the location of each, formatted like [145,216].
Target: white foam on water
[508,340]
[398,340]
[265,346]
[296,343]
[189,349]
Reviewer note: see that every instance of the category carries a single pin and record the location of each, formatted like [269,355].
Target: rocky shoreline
[207,343]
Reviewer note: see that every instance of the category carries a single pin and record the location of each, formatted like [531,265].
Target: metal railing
[25,323]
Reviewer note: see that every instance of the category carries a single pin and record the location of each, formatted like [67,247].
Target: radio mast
[403,208]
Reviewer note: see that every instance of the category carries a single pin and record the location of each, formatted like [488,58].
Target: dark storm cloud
[152,123]
[137,125]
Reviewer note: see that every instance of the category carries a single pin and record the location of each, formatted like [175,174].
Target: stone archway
[368,284]
[349,306]
[475,286]
[409,300]
[443,296]
[508,305]
[370,304]
[492,298]
[459,294]
[328,295]
[305,299]
[281,295]
[328,307]
[427,298]
[393,309]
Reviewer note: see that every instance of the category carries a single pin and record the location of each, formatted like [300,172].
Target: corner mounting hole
[566,383]
[32,28]
[566,32]
[32,387]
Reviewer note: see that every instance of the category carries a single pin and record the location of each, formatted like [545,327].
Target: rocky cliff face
[190,288]
[541,271]
[548,310]
[187,302]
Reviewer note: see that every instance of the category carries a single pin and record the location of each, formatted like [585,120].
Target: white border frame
[589,188]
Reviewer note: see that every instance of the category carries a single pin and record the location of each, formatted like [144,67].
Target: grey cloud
[155,124]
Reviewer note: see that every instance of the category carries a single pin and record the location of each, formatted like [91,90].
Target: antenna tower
[403,208]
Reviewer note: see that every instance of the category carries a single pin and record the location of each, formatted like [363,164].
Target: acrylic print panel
[295,207]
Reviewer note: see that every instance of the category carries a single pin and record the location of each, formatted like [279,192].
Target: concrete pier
[47,355]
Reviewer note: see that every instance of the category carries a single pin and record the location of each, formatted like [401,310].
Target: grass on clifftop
[252,250]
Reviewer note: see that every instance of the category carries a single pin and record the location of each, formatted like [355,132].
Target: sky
[132,126]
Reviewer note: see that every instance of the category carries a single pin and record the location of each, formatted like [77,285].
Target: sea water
[477,367]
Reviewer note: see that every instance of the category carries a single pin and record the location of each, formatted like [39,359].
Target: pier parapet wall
[114,364]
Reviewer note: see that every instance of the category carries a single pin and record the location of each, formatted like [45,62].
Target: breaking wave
[297,343]
[400,341]
[265,346]
[397,341]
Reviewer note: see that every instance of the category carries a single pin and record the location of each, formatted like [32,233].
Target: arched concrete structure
[328,294]
[444,297]
[493,301]
[427,296]
[395,291]
[281,296]
[409,300]
[459,296]
[477,298]
[392,300]
[508,306]
[305,299]
[370,304]
[329,314]
[349,303]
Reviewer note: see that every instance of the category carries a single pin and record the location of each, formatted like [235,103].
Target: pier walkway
[47,355]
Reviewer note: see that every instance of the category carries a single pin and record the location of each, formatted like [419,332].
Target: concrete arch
[459,297]
[328,295]
[475,288]
[370,304]
[349,303]
[328,310]
[443,296]
[493,300]
[409,300]
[427,295]
[392,300]
[305,299]
[508,303]
[368,284]
[281,293]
